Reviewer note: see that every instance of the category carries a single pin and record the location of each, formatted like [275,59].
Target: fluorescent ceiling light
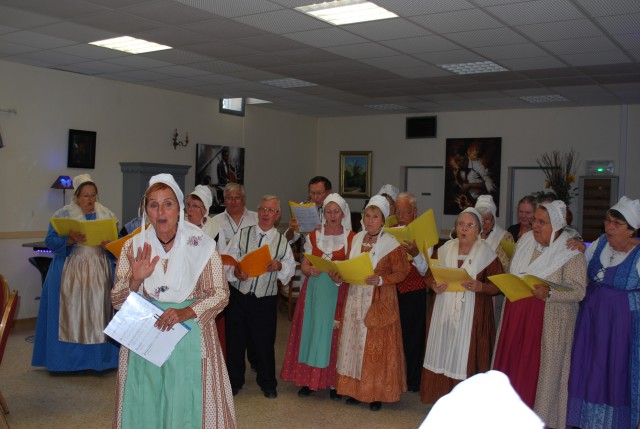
[387,106]
[256,101]
[472,68]
[288,82]
[130,45]
[341,12]
[551,98]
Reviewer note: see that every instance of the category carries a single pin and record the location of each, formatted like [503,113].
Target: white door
[427,184]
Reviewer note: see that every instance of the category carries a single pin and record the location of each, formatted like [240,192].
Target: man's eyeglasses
[268,210]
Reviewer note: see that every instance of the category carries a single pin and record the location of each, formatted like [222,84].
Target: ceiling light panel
[551,98]
[343,12]
[130,45]
[287,83]
[473,68]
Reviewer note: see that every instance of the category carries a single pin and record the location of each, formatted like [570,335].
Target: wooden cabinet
[595,196]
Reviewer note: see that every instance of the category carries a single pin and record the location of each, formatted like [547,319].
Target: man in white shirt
[236,216]
[251,315]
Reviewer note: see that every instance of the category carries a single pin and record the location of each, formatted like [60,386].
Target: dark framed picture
[82,149]
[355,174]
[472,168]
[215,167]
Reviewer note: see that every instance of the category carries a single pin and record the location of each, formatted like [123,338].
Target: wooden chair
[5,328]
[291,290]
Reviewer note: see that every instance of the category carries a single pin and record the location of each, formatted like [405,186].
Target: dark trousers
[251,321]
[413,320]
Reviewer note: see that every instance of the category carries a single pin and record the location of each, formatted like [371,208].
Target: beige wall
[133,123]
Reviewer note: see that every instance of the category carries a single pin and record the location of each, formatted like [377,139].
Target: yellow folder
[353,271]
[95,231]
[509,248]
[452,276]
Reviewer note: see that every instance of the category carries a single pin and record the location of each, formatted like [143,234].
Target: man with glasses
[235,216]
[252,310]
[412,296]
[319,189]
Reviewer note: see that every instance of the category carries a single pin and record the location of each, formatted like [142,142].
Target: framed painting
[215,167]
[82,149]
[472,168]
[355,174]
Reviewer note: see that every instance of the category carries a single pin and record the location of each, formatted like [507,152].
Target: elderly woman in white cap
[75,306]
[176,266]
[310,359]
[461,327]
[371,364]
[493,233]
[605,366]
[536,333]
[197,210]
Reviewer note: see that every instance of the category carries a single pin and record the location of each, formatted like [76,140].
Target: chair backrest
[7,320]
[4,293]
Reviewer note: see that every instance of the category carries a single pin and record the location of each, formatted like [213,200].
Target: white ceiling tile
[425,70]
[138,62]
[585,93]
[53,58]
[326,37]
[178,82]
[144,75]
[118,22]
[628,41]
[230,9]
[422,7]
[362,50]
[220,67]
[522,50]
[8,48]
[450,57]
[90,52]
[7,29]
[416,45]
[621,24]
[283,21]
[387,29]
[460,20]
[586,59]
[217,79]
[22,19]
[224,29]
[270,43]
[533,12]
[560,30]
[171,36]
[396,61]
[546,62]
[180,71]
[100,67]
[176,56]
[578,46]
[168,12]
[76,32]
[63,9]
[35,40]
[490,37]
[635,53]
[604,8]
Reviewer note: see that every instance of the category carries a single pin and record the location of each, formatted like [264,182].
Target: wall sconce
[64,183]
[177,142]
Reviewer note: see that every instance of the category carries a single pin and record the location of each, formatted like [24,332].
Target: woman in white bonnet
[535,335]
[75,306]
[371,366]
[175,265]
[312,349]
[604,386]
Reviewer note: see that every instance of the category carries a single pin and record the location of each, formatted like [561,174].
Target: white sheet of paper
[132,326]
[307,217]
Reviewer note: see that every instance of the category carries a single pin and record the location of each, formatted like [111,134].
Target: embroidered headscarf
[187,258]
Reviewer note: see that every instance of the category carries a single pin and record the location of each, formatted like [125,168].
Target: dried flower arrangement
[560,171]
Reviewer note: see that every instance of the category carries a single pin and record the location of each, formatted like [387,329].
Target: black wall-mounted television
[422,127]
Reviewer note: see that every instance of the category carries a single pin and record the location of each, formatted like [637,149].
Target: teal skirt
[169,396]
